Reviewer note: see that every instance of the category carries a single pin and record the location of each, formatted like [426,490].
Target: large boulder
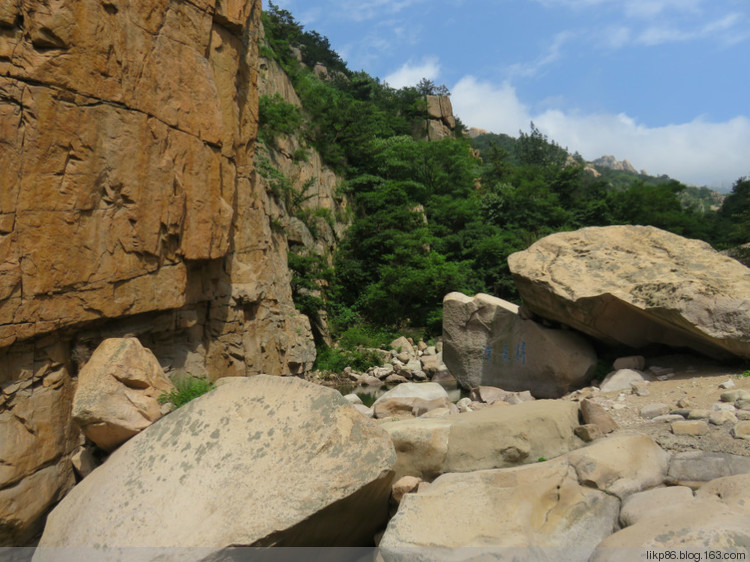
[638,285]
[260,461]
[118,391]
[532,512]
[494,437]
[486,342]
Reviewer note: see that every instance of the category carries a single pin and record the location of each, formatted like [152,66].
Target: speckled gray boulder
[259,461]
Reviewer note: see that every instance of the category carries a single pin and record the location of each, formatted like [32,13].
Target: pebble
[734,395]
[742,414]
[727,384]
[685,403]
[698,414]
[742,430]
[722,407]
[722,417]
[669,418]
[641,390]
[651,411]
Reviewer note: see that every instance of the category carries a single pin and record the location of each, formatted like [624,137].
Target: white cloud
[656,35]
[410,73]
[553,54]
[698,152]
[362,10]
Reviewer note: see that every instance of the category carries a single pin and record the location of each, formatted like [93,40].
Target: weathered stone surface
[741,430]
[493,437]
[690,427]
[593,413]
[718,518]
[37,439]
[117,392]
[650,502]
[621,464]
[313,472]
[637,285]
[693,468]
[514,513]
[486,342]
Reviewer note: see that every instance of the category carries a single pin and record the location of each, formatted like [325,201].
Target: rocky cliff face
[129,204]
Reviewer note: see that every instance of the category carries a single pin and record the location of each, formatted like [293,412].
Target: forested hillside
[434,217]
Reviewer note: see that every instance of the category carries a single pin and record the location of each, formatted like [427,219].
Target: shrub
[336,360]
[186,390]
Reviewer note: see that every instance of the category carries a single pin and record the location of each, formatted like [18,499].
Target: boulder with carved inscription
[486,342]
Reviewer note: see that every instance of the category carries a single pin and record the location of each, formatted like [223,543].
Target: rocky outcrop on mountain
[129,205]
[440,122]
[635,286]
[259,461]
[486,342]
[612,163]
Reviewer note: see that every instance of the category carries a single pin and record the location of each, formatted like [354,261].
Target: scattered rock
[649,503]
[651,411]
[117,392]
[722,417]
[623,379]
[593,413]
[669,418]
[727,384]
[404,485]
[353,399]
[742,430]
[698,414]
[588,432]
[690,427]
[734,395]
[621,464]
[464,405]
[694,468]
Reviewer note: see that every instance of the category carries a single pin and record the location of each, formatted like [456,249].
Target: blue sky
[663,83]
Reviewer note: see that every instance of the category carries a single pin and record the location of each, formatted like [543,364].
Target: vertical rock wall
[128,205]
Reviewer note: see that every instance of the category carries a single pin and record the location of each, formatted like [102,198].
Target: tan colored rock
[493,437]
[621,464]
[690,427]
[118,391]
[649,502]
[588,432]
[636,285]
[593,413]
[533,509]
[718,519]
[314,472]
[741,430]
[487,343]
[37,438]
[403,486]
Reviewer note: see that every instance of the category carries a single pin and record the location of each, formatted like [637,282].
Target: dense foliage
[435,217]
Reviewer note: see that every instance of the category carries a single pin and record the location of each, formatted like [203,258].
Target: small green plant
[541,459]
[745,374]
[186,390]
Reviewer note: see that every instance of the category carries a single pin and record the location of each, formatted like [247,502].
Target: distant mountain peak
[608,161]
